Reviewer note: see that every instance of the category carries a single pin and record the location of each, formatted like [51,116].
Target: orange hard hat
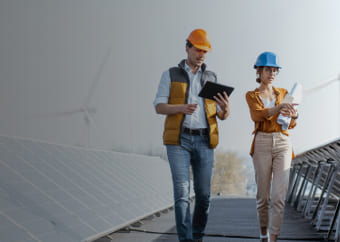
[200,39]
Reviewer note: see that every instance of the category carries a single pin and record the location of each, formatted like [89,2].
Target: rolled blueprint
[294,96]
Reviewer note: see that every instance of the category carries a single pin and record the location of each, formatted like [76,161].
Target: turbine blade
[97,78]
[322,85]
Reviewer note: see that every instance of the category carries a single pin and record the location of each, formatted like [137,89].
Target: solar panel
[52,192]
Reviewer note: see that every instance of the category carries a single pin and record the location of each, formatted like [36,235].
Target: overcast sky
[52,51]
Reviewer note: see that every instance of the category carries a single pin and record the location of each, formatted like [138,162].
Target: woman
[271,149]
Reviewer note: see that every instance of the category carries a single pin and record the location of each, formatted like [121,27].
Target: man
[190,133]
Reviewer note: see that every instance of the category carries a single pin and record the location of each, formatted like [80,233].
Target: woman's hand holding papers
[288,109]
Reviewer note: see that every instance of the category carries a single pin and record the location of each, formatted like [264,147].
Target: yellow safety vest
[178,95]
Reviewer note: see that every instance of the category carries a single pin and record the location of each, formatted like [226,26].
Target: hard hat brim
[255,66]
[201,47]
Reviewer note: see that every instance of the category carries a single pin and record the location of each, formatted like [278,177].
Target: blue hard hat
[267,59]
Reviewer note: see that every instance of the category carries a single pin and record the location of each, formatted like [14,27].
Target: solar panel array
[54,193]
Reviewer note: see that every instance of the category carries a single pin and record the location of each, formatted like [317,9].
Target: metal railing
[314,188]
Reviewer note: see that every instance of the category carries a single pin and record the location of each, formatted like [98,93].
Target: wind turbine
[85,109]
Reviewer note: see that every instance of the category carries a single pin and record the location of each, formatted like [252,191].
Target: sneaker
[264,238]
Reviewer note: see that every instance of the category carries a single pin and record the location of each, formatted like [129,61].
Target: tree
[229,174]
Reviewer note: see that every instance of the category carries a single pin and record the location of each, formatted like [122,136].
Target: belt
[196,131]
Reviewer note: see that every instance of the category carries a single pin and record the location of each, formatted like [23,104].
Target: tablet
[210,89]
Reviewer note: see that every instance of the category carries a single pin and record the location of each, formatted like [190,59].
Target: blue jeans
[194,150]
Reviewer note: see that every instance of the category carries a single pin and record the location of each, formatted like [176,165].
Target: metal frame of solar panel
[52,192]
[315,188]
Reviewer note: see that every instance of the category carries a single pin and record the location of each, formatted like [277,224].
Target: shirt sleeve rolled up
[163,91]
